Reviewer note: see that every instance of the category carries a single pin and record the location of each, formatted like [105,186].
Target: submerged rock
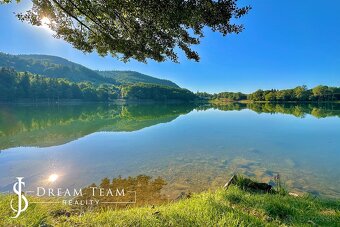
[254,150]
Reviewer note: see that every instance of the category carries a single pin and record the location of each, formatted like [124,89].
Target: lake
[193,147]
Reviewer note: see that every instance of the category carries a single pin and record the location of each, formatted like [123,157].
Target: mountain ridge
[58,67]
[131,77]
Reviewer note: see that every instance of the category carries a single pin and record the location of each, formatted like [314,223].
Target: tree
[301,93]
[136,29]
[270,96]
[320,92]
[7,83]
[257,95]
[281,95]
[24,86]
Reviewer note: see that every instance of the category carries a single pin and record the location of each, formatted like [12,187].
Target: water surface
[193,148]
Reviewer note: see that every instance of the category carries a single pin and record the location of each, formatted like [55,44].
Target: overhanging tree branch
[138,29]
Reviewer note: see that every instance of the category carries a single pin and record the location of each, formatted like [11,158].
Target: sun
[45,21]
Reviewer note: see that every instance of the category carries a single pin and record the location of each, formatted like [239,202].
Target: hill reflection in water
[193,147]
[50,125]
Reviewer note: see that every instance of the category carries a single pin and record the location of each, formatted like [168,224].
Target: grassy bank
[232,207]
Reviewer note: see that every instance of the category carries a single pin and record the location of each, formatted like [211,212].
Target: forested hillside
[56,67]
[131,77]
[156,92]
[51,66]
[23,85]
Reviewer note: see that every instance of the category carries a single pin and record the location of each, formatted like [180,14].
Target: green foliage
[300,93]
[270,96]
[204,95]
[51,66]
[131,77]
[14,86]
[279,188]
[233,96]
[137,29]
[155,92]
[279,211]
[56,67]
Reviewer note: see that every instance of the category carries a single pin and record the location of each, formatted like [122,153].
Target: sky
[285,43]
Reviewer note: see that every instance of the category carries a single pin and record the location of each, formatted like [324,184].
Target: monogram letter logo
[17,188]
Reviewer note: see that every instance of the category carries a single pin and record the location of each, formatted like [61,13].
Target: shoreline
[150,101]
[78,102]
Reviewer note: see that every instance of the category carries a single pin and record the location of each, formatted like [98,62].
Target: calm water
[193,148]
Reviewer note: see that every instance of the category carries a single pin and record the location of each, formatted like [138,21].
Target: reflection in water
[46,125]
[49,125]
[53,178]
[318,110]
[199,150]
[122,192]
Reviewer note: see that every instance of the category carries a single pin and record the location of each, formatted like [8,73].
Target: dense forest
[14,86]
[300,93]
[24,85]
[57,67]
[155,92]
[132,77]
[236,96]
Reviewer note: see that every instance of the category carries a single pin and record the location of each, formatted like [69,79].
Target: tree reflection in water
[124,192]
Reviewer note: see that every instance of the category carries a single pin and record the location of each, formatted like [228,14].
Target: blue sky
[286,43]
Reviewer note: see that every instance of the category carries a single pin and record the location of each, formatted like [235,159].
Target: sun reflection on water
[53,178]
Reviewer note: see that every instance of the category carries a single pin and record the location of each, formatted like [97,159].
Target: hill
[33,87]
[131,77]
[51,66]
[57,67]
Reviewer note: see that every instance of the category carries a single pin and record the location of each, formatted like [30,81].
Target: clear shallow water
[193,148]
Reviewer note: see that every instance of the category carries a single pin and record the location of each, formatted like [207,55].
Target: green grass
[232,207]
